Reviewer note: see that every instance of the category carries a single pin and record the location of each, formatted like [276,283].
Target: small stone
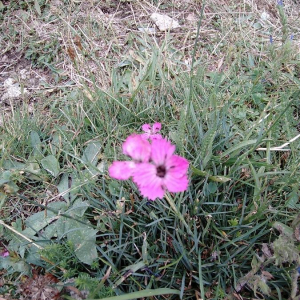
[264,16]
[23,73]
[13,90]
[148,30]
[164,22]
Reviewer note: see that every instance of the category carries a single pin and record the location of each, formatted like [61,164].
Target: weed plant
[60,210]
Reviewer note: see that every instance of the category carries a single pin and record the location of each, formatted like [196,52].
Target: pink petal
[176,179]
[121,170]
[177,165]
[146,128]
[143,172]
[156,136]
[5,253]
[137,147]
[152,192]
[175,184]
[161,150]
[149,184]
[156,127]
[145,136]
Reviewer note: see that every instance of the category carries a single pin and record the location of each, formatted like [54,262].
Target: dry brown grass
[95,36]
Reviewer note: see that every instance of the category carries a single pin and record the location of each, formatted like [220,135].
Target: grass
[233,234]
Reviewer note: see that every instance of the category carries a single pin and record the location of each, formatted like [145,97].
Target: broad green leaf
[78,208]
[55,144]
[84,241]
[283,229]
[3,181]
[12,164]
[36,143]
[41,219]
[21,267]
[51,164]
[35,171]
[6,175]
[292,201]
[64,186]
[212,187]
[90,154]
[67,186]
[32,167]
[11,188]
[51,230]
[114,188]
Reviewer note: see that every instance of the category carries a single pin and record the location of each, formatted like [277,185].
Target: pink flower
[4,253]
[151,133]
[154,168]
[122,170]
[164,171]
[138,149]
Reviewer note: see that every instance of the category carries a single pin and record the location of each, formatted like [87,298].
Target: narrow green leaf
[37,7]
[130,269]
[237,147]
[215,178]
[256,180]
[199,172]
[141,294]
[145,250]
[219,178]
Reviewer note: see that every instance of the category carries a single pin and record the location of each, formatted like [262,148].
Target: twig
[20,234]
[280,148]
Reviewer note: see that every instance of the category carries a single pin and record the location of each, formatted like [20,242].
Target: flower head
[4,253]
[154,168]
[152,132]
[137,148]
[164,171]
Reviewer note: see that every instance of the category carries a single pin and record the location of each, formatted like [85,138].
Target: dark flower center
[161,171]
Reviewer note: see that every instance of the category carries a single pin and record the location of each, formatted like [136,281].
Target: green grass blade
[141,294]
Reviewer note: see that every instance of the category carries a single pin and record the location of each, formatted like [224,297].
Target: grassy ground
[225,86]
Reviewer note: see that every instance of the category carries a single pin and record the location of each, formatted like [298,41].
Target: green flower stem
[178,214]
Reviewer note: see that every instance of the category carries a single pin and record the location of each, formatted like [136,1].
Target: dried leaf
[77,42]
[297,232]
[71,52]
[266,250]
[267,275]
